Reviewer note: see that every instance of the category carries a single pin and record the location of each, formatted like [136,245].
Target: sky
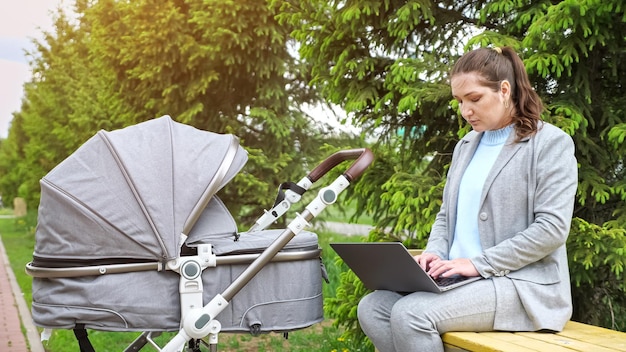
[20,22]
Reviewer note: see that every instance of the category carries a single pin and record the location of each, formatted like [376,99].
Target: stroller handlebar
[289,195]
[363,156]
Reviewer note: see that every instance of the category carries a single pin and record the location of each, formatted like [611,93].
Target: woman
[506,214]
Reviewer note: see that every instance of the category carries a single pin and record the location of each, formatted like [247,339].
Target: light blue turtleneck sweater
[466,243]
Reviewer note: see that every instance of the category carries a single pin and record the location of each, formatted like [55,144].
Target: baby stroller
[132,237]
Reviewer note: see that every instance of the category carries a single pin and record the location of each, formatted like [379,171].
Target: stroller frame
[198,323]
[199,320]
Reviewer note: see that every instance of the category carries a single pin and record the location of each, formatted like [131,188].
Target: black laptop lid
[390,266]
[385,266]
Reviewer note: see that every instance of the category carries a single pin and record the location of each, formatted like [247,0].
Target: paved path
[14,313]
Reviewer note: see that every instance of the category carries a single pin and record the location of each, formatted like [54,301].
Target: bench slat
[472,341]
[563,341]
[615,340]
[575,337]
[531,344]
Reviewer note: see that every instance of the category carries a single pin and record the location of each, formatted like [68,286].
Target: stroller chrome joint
[284,200]
[197,324]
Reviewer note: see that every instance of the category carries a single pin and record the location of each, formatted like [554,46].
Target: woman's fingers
[425,260]
[447,268]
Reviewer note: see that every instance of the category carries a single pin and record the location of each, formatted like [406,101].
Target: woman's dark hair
[496,65]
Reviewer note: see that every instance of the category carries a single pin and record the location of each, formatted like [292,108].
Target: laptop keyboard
[447,281]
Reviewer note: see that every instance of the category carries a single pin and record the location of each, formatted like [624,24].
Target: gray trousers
[415,322]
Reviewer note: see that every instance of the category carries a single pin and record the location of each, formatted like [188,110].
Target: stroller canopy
[130,193]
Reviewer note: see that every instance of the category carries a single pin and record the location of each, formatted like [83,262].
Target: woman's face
[480,106]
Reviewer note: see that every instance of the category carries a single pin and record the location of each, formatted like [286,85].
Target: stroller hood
[130,193]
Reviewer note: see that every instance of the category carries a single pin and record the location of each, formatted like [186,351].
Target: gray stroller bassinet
[131,237]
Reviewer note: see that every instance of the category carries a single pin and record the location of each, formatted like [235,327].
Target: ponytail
[528,105]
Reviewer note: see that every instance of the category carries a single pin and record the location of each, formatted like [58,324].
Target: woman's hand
[447,268]
[425,260]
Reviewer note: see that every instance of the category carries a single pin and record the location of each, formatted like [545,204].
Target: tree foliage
[386,62]
[222,66]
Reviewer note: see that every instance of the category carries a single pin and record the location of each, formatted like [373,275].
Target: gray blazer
[524,219]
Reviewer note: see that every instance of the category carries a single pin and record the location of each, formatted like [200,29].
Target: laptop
[390,266]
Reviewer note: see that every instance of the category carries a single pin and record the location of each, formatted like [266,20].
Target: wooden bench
[575,337]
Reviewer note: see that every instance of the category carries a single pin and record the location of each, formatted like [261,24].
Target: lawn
[18,236]
[341,212]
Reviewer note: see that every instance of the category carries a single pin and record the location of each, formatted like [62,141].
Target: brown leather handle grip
[363,156]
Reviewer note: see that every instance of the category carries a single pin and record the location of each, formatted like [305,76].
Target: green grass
[339,215]
[6,211]
[18,237]
[342,210]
